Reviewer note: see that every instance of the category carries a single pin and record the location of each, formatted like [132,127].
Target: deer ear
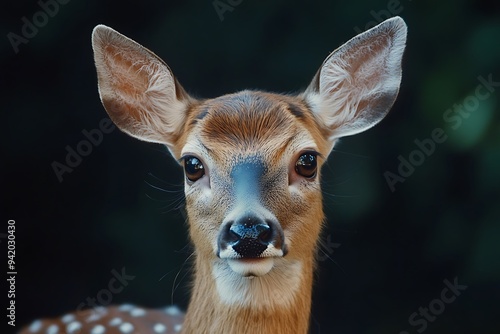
[358,83]
[137,89]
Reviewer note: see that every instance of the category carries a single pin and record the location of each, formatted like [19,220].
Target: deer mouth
[251,267]
[252,263]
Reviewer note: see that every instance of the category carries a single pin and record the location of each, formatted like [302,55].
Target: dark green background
[396,248]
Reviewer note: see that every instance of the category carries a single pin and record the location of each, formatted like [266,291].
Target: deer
[252,162]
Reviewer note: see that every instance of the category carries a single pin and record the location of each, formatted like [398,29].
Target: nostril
[230,234]
[266,235]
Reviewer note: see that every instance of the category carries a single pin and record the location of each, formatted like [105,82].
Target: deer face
[252,163]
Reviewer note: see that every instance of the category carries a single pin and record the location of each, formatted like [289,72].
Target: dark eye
[306,165]
[194,168]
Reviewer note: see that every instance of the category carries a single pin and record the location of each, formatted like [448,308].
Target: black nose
[249,236]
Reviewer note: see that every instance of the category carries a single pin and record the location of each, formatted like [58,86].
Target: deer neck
[278,302]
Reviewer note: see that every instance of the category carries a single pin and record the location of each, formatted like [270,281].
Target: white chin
[251,267]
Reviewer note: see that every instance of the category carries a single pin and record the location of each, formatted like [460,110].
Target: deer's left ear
[358,83]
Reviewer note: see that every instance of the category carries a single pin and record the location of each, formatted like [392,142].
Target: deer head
[252,163]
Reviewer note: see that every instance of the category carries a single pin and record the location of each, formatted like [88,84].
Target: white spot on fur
[126,327]
[101,309]
[138,312]
[35,326]
[115,321]
[98,329]
[159,328]
[94,317]
[173,310]
[126,307]
[67,318]
[73,326]
[53,329]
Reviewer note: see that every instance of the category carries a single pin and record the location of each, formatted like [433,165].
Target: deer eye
[193,168]
[306,165]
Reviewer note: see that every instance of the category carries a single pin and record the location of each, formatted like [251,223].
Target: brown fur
[205,315]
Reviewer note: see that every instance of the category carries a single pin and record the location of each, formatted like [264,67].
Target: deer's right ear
[137,89]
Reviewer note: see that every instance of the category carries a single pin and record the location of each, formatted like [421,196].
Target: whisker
[174,287]
[162,189]
[335,262]
[180,184]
